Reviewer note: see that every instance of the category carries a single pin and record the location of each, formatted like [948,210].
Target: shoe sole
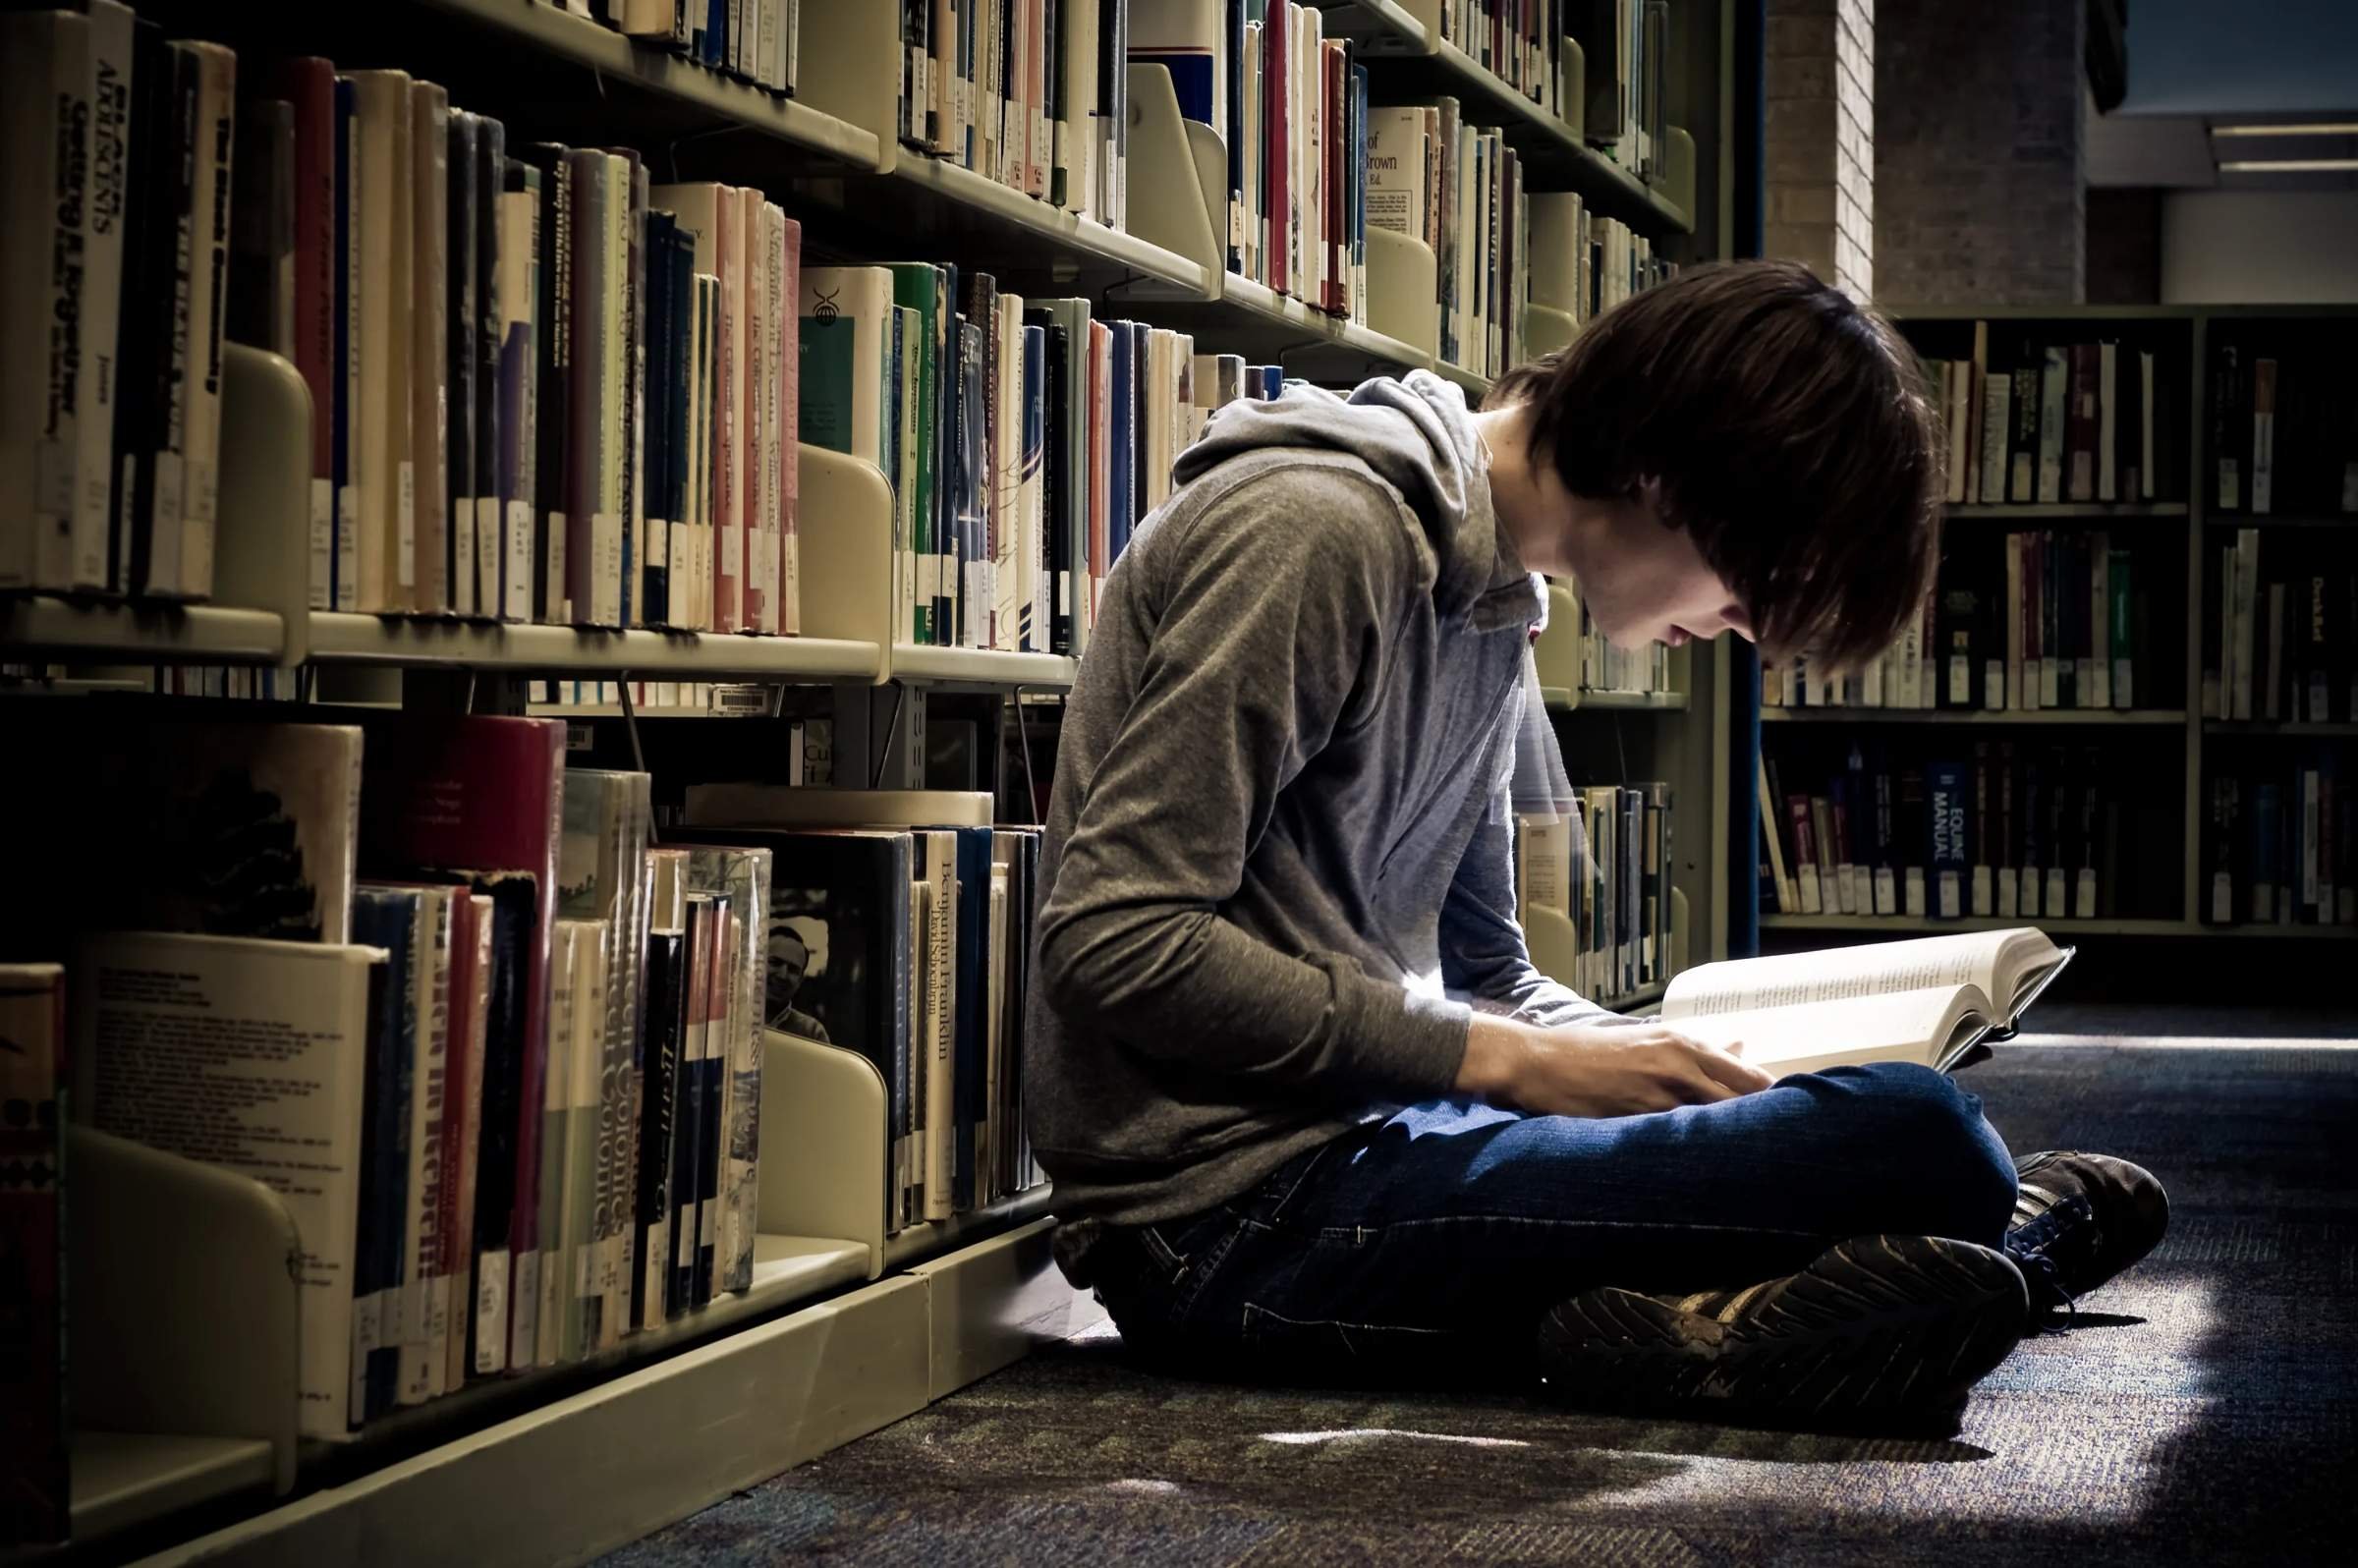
[1879,1332]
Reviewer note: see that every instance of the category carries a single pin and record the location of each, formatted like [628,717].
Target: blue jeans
[1426,1248]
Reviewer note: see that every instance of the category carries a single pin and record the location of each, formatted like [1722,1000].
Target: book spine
[462,310]
[495,544]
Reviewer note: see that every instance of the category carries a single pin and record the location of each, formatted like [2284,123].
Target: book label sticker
[347,535]
[487,554]
[491,1312]
[657,1260]
[518,579]
[1993,685]
[2123,694]
[1887,891]
[1952,903]
[1984,895]
[405,516]
[2223,899]
[323,544]
[1914,888]
[523,1335]
[2084,895]
[461,587]
[2056,893]
[1846,887]
[2029,901]
[2006,899]
[1812,901]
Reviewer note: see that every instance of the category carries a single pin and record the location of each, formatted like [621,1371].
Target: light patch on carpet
[1355,1433]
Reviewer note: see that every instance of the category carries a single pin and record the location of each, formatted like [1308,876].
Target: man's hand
[1586,1070]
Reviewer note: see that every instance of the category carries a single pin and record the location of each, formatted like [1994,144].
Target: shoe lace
[2033,1247]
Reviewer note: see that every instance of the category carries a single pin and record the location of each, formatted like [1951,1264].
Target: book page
[1911,1026]
[1997,962]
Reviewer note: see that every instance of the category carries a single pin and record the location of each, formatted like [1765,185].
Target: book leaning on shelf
[1933,1001]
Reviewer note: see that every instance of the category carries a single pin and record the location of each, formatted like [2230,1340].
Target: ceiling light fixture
[2289,166]
[2341,127]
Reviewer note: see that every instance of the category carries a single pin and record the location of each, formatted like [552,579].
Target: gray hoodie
[1278,855]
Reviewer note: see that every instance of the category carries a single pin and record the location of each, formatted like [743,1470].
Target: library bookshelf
[845,1327]
[2177,751]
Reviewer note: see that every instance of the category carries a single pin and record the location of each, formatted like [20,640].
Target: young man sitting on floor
[1309,1110]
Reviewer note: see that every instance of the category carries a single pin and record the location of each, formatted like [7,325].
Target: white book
[1997,414]
[740,501]
[110,97]
[201,450]
[1957,396]
[759,430]
[1929,1001]
[765,550]
[424,1364]
[1003,578]
[849,371]
[287,1028]
[387,539]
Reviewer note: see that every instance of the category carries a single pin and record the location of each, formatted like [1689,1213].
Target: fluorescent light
[2289,166]
[2344,128]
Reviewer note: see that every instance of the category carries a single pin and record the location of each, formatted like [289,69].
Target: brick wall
[1980,181]
[1820,137]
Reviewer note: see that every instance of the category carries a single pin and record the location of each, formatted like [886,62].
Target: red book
[1276,51]
[310,84]
[2081,425]
[33,1436]
[480,799]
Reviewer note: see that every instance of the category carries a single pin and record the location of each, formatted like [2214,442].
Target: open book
[1931,1001]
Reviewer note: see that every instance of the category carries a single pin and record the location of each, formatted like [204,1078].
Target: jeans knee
[1937,1137]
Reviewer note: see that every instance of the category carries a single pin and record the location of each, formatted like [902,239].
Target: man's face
[1646,583]
[789,961]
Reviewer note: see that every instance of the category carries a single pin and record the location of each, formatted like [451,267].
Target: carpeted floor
[2207,1414]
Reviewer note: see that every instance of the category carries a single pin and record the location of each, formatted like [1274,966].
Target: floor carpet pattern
[2205,1411]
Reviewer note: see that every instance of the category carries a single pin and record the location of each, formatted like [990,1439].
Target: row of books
[2278,842]
[1583,263]
[2281,628]
[2283,420]
[1627,48]
[1023,439]
[1521,43]
[534,1037]
[1460,189]
[2037,421]
[1030,94]
[114,289]
[1605,867]
[750,41]
[2038,618]
[1604,666]
[1291,107]
[2022,831]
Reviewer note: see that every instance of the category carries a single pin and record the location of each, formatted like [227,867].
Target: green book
[922,287]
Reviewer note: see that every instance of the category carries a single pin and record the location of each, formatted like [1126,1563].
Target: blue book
[386,918]
[713,43]
[1121,459]
[1950,857]
[969,1092]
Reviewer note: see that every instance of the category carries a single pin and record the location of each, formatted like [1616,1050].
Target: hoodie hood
[1416,434]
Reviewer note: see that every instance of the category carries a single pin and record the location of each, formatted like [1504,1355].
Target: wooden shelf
[1259,304]
[934,1237]
[1643,996]
[578,41]
[1052,238]
[1918,925]
[122,1479]
[1560,699]
[1559,155]
[2269,519]
[423,642]
[2285,727]
[954,666]
[2136,717]
[36,627]
[2032,512]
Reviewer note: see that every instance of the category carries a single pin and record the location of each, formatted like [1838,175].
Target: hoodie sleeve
[1268,637]
[1483,954]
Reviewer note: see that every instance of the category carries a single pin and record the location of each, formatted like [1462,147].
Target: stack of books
[1605,868]
[2278,841]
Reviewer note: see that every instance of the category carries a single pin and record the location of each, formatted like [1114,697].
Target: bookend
[1166,161]
[1557,651]
[1403,290]
[823,1165]
[262,549]
[843,527]
[1547,329]
[183,1312]
[1677,183]
[849,64]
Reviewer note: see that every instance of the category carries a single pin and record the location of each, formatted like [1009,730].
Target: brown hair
[1790,435]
